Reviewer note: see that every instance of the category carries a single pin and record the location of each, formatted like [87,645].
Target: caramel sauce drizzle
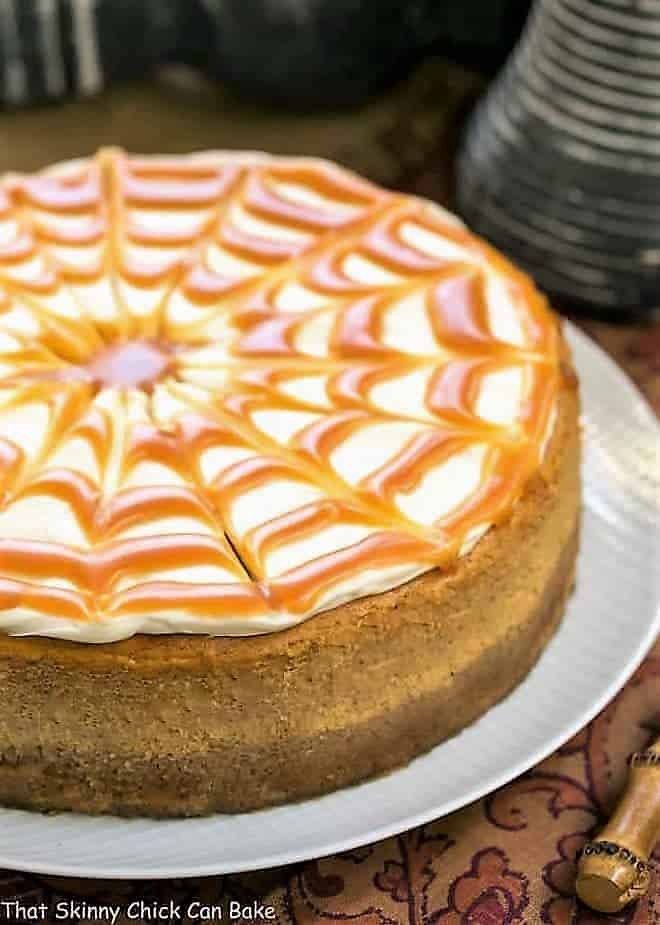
[144,305]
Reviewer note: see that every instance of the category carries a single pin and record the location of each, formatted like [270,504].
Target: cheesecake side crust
[182,726]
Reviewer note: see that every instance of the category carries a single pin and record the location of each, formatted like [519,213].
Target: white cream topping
[77,455]
[21,320]
[294,297]
[432,244]
[313,336]
[22,621]
[151,473]
[216,459]
[266,502]
[77,258]
[503,315]
[370,581]
[98,301]
[369,448]
[249,223]
[365,271]
[444,487]
[405,395]
[282,425]
[305,195]
[168,526]
[221,261]
[26,425]
[407,327]
[309,389]
[324,542]
[70,320]
[501,396]
[9,231]
[42,518]
[180,222]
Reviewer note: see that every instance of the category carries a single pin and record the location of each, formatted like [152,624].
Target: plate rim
[393,827]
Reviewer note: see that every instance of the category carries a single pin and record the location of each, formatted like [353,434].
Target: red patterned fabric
[505,860]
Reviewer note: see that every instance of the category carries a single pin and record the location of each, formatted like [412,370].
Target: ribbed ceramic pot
[560,164]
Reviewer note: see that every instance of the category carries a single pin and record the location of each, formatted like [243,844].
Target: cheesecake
[289,472]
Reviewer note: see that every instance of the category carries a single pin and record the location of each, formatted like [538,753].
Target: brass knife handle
[613,869]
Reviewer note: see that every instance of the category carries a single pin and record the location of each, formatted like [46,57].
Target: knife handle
[613,870]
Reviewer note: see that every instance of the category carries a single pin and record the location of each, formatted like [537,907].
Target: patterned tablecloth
[505,860]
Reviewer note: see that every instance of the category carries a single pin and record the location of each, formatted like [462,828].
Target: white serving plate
[611,622]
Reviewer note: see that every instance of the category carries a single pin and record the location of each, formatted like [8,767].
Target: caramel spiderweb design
[236,390]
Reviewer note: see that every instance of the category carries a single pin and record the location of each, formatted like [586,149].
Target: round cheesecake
[290,481]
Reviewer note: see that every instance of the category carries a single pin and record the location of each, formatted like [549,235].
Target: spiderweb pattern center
[138,363]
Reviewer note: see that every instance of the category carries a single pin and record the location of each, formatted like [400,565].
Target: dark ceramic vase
[308,52]
[560,165]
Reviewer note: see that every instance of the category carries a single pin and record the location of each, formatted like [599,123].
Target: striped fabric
[50,49]
[560,164]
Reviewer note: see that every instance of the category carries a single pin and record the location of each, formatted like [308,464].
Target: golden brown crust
[184,725]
